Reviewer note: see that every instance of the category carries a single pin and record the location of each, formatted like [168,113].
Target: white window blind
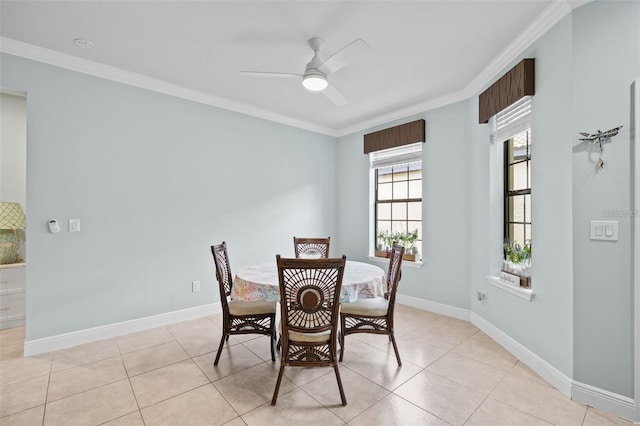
[405,154]
[512,120]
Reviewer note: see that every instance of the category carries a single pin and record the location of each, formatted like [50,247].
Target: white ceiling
[422,52]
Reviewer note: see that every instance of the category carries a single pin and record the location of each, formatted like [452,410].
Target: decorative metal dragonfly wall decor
[598,137]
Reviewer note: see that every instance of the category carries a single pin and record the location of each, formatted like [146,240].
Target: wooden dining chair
[374,315]
[309,304]
[238,316]
[311,247]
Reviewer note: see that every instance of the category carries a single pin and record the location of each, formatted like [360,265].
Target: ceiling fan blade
[343,56]
[269,74]
[334,95]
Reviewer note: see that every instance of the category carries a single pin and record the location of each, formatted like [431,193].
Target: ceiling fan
[317,70]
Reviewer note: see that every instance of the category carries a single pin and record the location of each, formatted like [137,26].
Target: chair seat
[323,336]
[374,307]
[256,307]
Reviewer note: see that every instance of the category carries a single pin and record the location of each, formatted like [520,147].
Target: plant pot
[383,253]
[525,282]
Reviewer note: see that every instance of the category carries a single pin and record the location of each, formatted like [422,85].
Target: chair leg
[395,348]
[342,397]
[341,337]
[273,342]
[277,389]
[224,335]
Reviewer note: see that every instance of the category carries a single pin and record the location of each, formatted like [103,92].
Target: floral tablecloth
[360,280]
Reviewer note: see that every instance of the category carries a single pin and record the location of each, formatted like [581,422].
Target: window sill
[524,293]
[385,261]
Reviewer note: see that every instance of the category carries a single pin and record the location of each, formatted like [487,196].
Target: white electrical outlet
[195,286]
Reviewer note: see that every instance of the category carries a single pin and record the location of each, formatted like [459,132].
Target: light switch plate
[74,225]
[605,230]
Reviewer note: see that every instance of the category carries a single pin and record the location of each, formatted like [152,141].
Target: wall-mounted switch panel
[604,230]
[74,225]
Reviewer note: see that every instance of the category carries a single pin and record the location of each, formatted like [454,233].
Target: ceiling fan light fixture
[315,82]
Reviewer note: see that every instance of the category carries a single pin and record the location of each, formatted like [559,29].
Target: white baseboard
[438,308]
[67,340]
[601,399]
[556,378]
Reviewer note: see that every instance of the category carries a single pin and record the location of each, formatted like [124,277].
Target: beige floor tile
[382,368]
[539,400]
[204,325]
[467,372]
[92,407]
[232,360]
[495,413]
[152,358]
[395,411]
[144,339]
[360,392]
[374,340]
[20,369]
[23,395]
[166,382]
[200,406]
[355,348]
[84,354]
[301,375]
[201,341]
[8,352]
[418,351]
[441,397]
[293,408]
[236,422]
[244,338]
[596,417]
[30,417]
[260,346]
[133,419]
[404,312]
[74,380]
[12,336]
[482,348]
[521,370]
[252,387]
[446,340]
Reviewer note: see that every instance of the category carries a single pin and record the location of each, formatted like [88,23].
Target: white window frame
[397,156]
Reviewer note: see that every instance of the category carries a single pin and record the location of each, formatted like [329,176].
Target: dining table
[260,281]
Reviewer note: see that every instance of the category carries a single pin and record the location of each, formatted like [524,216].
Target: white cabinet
[13,281]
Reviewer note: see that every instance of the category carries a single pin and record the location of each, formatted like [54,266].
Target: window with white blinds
[397,189]
[512,120]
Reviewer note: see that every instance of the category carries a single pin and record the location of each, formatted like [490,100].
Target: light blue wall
[580,320]
[544,324]
[445,207]
[603,295]
[155,180]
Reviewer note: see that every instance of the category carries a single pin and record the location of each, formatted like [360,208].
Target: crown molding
[96,69]
[543,22]
[550,16]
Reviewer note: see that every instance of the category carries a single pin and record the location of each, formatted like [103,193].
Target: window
[517,188]
[513,131]
[397,194]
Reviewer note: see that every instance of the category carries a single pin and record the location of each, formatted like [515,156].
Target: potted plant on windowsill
[517,262]
[386,240]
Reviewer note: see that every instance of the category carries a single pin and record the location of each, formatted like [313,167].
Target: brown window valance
[392,137]
[517,83]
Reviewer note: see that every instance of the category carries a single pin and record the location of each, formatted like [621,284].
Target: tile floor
[452,374]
